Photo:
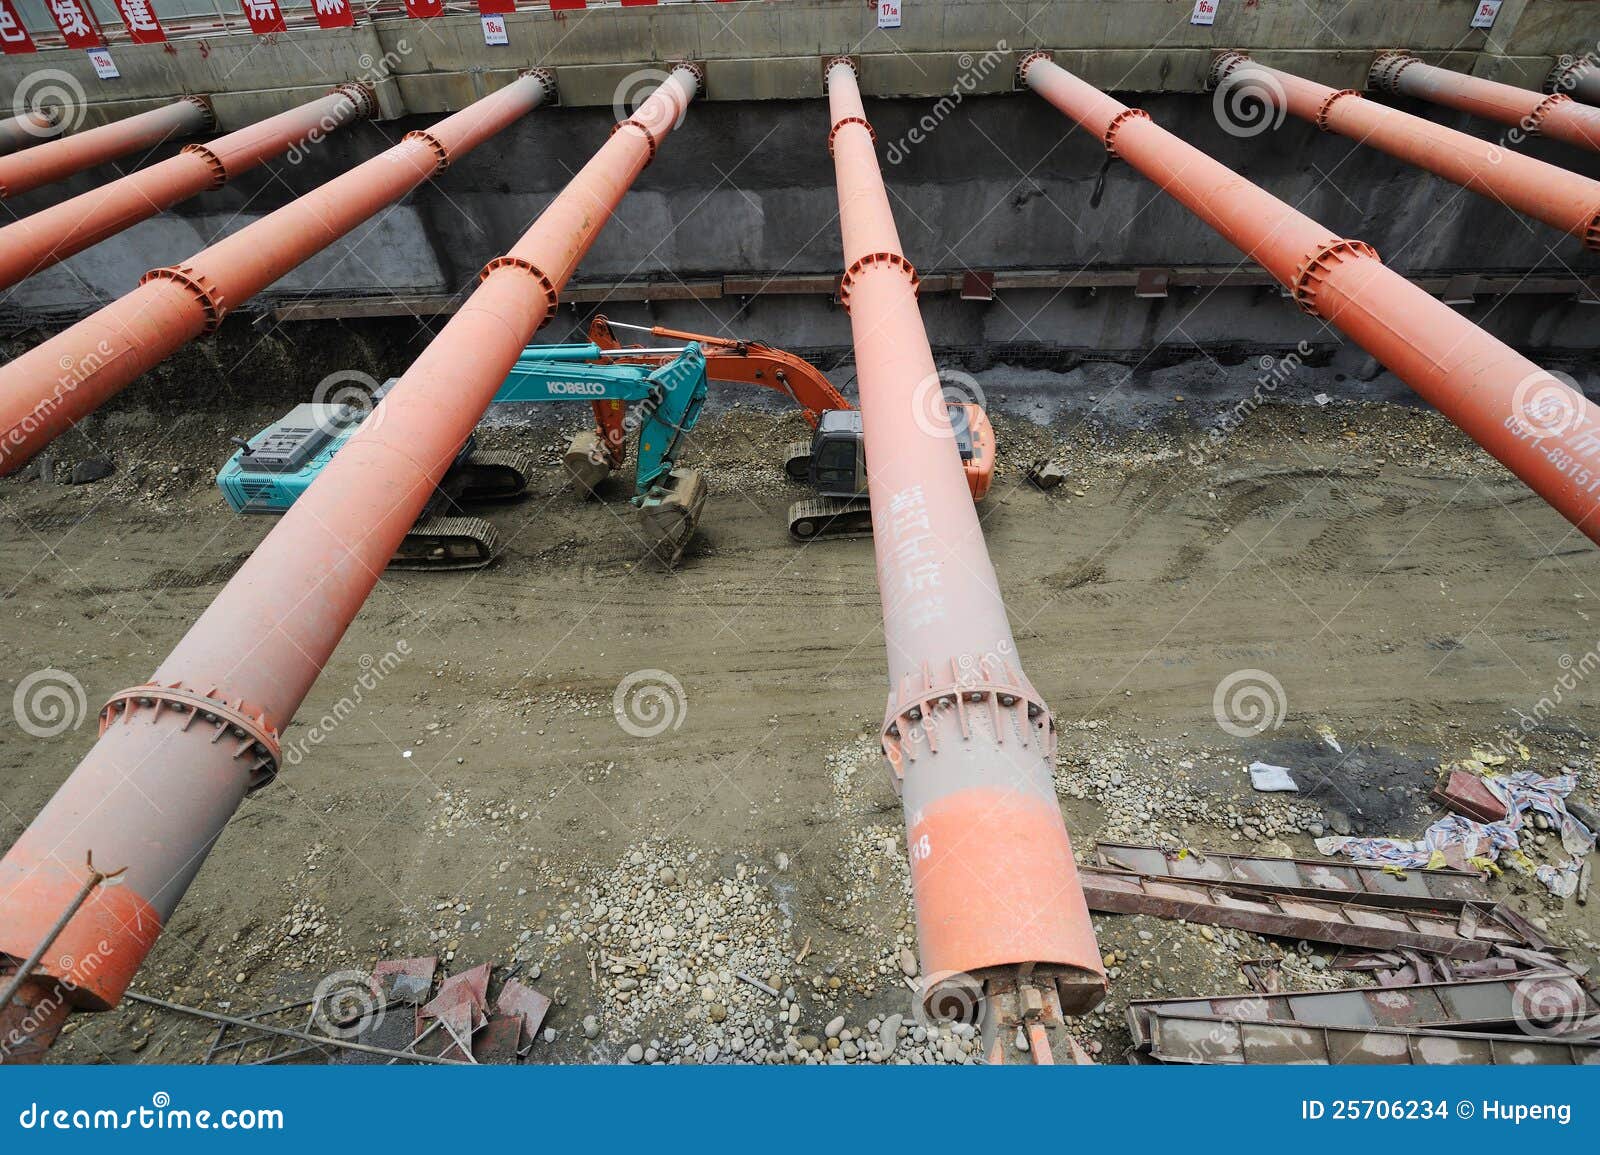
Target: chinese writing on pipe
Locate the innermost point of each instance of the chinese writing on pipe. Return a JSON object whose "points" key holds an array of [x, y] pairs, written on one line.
{"points": [[140, 20], [1205, 12], [77, 26], [14, 38], [888, 13], [1486, 12], [333, 13], [264, 16], [910, 567]]}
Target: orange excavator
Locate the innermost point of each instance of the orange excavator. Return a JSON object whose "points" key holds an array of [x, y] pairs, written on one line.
{"points": [[833, 462]]}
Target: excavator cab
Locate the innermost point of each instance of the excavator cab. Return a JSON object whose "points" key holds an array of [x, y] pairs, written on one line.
{"points": [[834, 463]]}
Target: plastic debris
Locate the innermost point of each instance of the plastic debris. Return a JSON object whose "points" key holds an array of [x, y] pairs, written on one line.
{"points": [[1268, 778]]}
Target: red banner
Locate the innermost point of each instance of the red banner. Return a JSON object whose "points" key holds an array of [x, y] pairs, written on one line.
{"points": [[567, 5], [14, 38], [636, 3], [139, 17], [496, 7], [76, 23], [333, 13], [424, 9], [264, 16]]}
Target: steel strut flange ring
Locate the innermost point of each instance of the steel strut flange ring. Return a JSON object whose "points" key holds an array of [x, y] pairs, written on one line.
{"points": [[1591, 234], [1386, 69], [440, 152], [650, 141], [1566, 73], [365, 100], [962, 698], [546, 77], [551, 297], [257, 739], [1027, 62], [219, 171], [1544, 108], [1117, 122], [205, 107], [827, 69], [898, 260], [834, 131], [193, 279], [1327, 106], [695, 70], [1314, 269], [1225, 62]]}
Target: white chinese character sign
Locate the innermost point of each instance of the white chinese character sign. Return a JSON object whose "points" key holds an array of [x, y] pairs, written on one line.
{"points": [[1486, 11], [77, 26], [494, 30], [333, 13], [1205, 12], [139, 18], [14, 38], [264, 16], [889, 13]]}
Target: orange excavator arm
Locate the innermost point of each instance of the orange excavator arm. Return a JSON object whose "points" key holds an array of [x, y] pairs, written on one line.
{"points": [[741, 363]]}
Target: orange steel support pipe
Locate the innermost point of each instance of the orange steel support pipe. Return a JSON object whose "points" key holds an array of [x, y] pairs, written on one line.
{"points": [[1538, 427], [176, 756], [28, 129], [24, 171], [38, 241], [56, 383], [1580, 78], [969, 741], [1557, 116], [1546, 192]]}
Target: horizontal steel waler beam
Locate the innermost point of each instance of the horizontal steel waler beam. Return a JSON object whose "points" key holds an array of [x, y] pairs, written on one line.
{"points": [[1447, 285]]}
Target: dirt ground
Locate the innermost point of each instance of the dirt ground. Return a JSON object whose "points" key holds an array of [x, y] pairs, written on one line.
{"points": [[1411, 597]]}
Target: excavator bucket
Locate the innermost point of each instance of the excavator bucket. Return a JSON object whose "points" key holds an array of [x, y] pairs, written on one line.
{"points": [[587, 462], [669, 513]]}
